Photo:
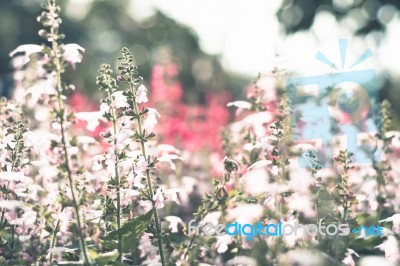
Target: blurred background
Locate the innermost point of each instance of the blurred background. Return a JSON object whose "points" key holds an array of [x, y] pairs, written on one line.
{"points": [[204, 53]]}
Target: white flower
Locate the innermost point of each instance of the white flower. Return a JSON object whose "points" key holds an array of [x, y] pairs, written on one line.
{"points": [[151, 120], [166, 148], [124, 137], [11, 204], [302, 203], [141, 166], [39, 89], [159, 199], [97, 162], [104, 108], [348, 260], [141, 94], [223, 242], [240, 104], [212, 218], [28, 49], [120, 100], [72, 54], [171, 194], [91, 118], [174, 221], [40, 141], [168, 159], [246, 213], [27, 219], [260, 164], [127, 195], [395, 219], [12, 176], [146, 204], [390, 247]]}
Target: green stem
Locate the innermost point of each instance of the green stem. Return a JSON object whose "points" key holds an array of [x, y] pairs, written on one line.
{"points": [[118, 185], [149, 183], [13, 158], [60, 112], [54, 239]]}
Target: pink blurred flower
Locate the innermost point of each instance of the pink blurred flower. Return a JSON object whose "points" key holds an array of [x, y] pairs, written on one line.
{"points": [[159, 199], [172, 194]]}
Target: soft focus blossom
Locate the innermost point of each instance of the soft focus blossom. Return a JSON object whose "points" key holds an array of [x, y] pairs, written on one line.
{"points": [[172, 194], [223, 242], [141, 94], [72, 53], [348, 260], [159, 199], [120, 100], [151, 121], [240, 104], [168, 159], [28, 50], [91, 119], [391, 248], [174, 221], [395, 219]]}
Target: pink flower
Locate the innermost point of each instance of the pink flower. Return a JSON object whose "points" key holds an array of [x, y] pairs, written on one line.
{"points": [[141, 166], [172, 194], [146, 205], [127, 195], [151, 120], [159, 199], [141, 94], [72, 54], [28, 50]]}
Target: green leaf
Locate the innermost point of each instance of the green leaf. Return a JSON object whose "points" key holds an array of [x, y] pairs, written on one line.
{"points": [[130, 242], [104, 258], [134, 228]]}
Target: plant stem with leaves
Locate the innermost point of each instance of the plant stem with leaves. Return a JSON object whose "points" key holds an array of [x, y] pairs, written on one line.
{"points": [[128, 72], [50, 18], [108, 84]]}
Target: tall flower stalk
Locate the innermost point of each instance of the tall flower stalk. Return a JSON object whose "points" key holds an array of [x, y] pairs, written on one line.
{"points": [[51, 20], [108, 84], [130, 78]]}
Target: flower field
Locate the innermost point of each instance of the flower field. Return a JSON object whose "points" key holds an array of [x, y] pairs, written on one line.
{"points": [[144, 178]]}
